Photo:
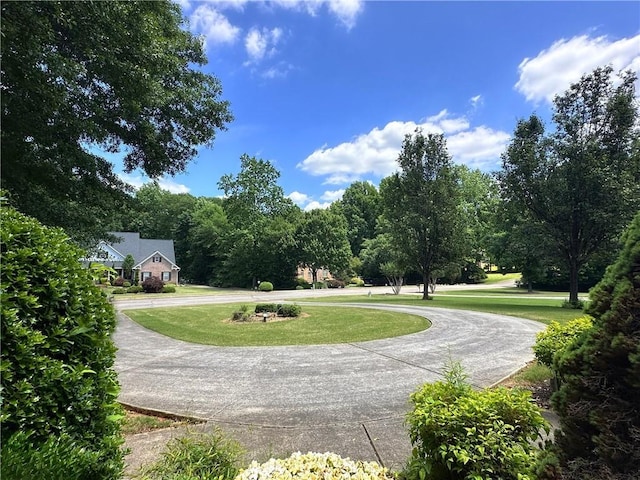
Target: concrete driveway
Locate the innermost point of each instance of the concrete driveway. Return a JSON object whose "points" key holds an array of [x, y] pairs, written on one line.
{"points": [[347, 398]]}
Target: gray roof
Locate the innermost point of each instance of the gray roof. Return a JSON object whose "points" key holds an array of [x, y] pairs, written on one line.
{"points": [[142, 248]]}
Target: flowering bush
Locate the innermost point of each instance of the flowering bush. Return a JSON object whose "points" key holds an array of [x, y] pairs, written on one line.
{"points": [[327, 466]]}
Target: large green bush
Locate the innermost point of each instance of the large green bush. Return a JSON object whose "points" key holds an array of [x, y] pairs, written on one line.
{"points": [[459, 433], [556, 337], [265, 287], [598, 400], [152, 285], [57, 353]]}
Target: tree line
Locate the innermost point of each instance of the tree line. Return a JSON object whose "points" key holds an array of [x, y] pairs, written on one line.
{"points": [[79, 79]]}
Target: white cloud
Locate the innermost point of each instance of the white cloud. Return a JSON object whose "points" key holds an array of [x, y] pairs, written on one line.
{"points": [[314, 205], [213, 25], [476, 101], [346, 11], [553, 70], [137, 181], [332, 195], [261, 43], [376, 152], [299, 198]]}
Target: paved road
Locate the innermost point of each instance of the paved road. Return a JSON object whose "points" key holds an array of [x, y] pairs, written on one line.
{"points": [[347, 398]]}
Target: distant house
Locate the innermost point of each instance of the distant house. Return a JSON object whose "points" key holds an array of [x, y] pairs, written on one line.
{"points": [[151, 257]]}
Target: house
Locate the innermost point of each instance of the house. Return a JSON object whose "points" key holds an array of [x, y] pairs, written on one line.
{"points": [[151, 257]]}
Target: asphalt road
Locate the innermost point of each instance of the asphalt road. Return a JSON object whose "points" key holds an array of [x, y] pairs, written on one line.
{"points": [[348, 398]]}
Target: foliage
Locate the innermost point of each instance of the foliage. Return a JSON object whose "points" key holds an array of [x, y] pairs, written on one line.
{"points": [[57, 352], [301, 282], [556, 337], [322, 241], [358, 282], [152, 285], [289, 310], [421, 202], [169, 289], [58, 458], [360, 205], [334, 283], [118, 282], [266, 307], [327, 466], [135, 289], [94, 76], [128, 263], [600, 377], [265, 287], [459, 433], [119, 291], [196, 457], [581, 184]]}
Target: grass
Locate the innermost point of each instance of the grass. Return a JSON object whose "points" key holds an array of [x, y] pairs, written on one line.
{"points": [[499, 277], [139, 423], [181, 291], [540, 309], [532, 374], [207, 324]]}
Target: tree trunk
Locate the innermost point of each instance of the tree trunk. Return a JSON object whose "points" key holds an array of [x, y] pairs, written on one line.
{"points": [[574, 267], [314, 276], [425, 281]]}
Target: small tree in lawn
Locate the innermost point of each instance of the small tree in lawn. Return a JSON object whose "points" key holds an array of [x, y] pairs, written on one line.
{"points": [[598, 400], [127, 266]]}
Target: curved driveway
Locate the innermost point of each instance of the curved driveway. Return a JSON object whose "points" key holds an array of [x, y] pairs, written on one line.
{"points": [[321, 384]]}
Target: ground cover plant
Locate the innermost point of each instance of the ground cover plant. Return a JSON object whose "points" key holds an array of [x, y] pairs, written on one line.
{"points": [[209, 324]]}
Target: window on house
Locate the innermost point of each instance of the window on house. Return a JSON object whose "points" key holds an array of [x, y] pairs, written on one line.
{"points": [[145, 275], [156, 259], [166, 276]]}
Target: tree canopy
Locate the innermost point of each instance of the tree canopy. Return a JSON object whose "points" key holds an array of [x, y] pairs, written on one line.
{"points": [[582, 182], [79, 78]]}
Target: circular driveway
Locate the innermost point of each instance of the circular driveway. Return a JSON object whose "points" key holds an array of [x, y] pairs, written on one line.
{"points": [[319, 385]]}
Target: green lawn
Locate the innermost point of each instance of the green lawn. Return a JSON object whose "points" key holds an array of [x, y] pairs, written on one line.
{"points": [[506, 291], [539, 309], [318, 325], [499, 277], [181, 291]]}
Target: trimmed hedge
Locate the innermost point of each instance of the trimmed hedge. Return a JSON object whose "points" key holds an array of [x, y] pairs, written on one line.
{"points": [[152, 285], [57, 353], [265, 287], [281, 309], [169, 289], [555, 338]]}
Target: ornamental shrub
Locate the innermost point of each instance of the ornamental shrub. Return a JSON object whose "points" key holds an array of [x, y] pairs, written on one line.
{"points": [[57, 353], [600, 377], [168, 289], [152, 285], [356, 281], [118, 282], [333, 283], [556, 337], [119, 291], [327, 466], [265, 287], [266, 307], [301, 282], [126, 284], [459, 433], [134, 289], [289, 310]]}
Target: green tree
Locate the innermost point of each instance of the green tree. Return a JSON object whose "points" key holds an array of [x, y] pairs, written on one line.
{"points": [[421, 205], [127, 266], [600, 377], [322, 241], [581, 183], [383, 255], [361, 207], [83, 77]]}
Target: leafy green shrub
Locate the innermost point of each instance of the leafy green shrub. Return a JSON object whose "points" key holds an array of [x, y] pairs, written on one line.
{"points": [[299, 287], [575, 305], [358, 282], [241, 315], [289, 310], [196, 457], [57, 353], [556, 337], [118, 282], [119, 291], [168, 289], [152, 285], [459, 433], [58, 458], [266, 307], [301, 282], [265, 287], [334, 283], [315, 465], [126, 284], [600, 377], [134, 289], [319, 285]]}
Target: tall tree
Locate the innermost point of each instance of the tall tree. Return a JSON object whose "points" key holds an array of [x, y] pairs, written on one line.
{"points": [[582, 183], [322, 241], [79, 78], [361, 207], [421, 204]]}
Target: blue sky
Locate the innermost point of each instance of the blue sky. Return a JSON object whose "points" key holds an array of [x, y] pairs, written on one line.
{"points": [[326, 90]]}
